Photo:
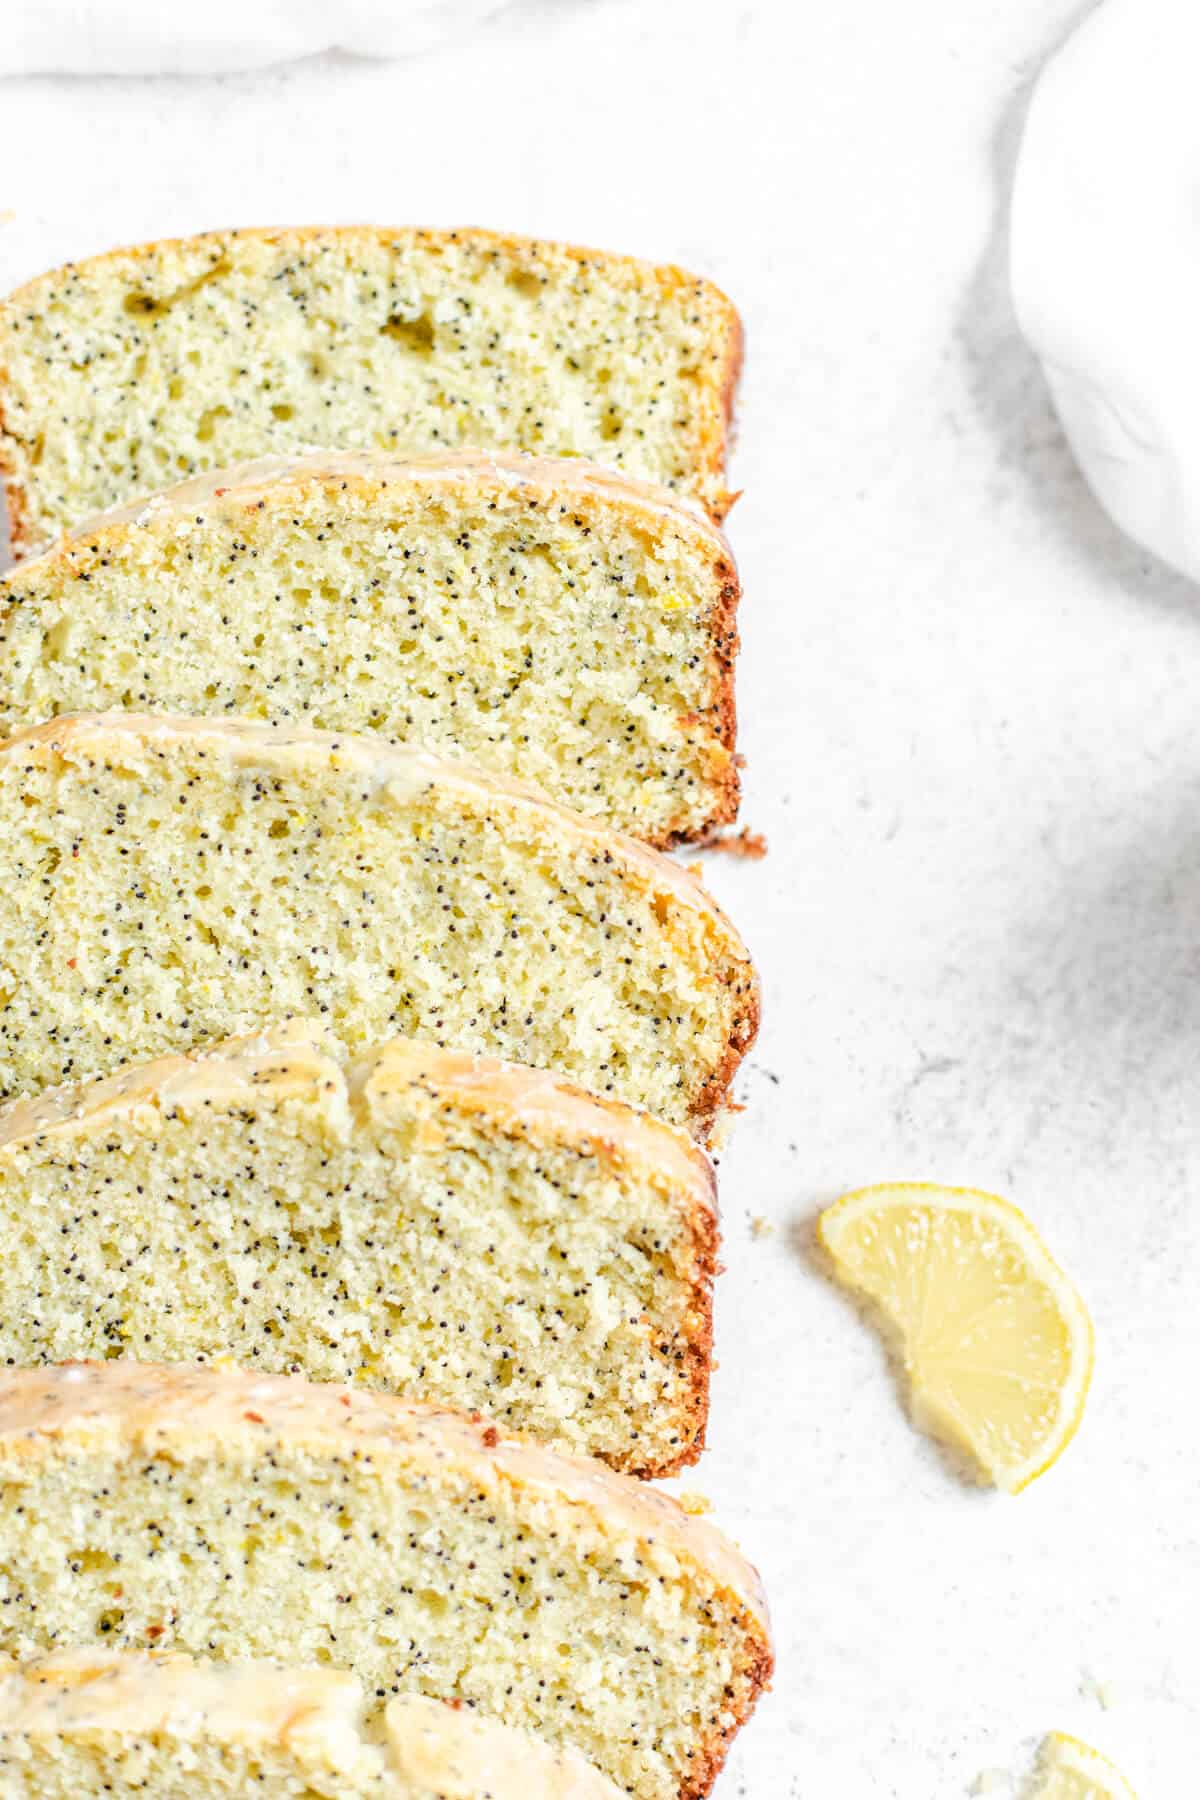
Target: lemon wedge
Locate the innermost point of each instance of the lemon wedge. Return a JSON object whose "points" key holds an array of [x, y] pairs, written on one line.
{"points": [[994, 1339], [1069, 1770]]}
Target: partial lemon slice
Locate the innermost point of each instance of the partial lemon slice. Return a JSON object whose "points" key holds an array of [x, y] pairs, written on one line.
{"points": [[1069, 1770], [996, 1343]]}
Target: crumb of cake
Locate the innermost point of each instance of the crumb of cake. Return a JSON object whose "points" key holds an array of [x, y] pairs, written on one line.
{"points": [[750, 846]]}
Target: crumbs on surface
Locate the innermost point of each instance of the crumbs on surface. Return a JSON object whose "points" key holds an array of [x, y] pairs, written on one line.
{"points": [[750, 846]]}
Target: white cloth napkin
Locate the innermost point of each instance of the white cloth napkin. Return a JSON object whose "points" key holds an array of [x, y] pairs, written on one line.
{"points": [[204, 37], [1106, 261]]}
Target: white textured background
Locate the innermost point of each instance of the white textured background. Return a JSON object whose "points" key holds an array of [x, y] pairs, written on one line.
{"points": [[973, 722]]}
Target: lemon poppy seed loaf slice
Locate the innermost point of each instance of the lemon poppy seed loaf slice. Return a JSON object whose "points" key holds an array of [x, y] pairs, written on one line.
{"points": [[123, 373], [164, 881], [229, 1516], [409, 1218], [85, 1722], [545, 618]]}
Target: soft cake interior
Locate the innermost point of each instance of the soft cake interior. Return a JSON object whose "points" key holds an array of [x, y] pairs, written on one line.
{"points": [[350, 1231], [587, 652], [153, 897], [128, 371], [425, 1578]]}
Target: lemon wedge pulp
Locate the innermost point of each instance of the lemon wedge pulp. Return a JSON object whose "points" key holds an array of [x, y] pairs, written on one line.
{"points": [[994, 1339], [1069, 1770]]}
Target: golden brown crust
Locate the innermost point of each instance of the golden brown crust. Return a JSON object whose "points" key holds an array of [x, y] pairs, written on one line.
{"points": [[723, 629], [710, 447], [713, 1099], [719, 440], [710, 1759], [698, 1351], [718, 445]]}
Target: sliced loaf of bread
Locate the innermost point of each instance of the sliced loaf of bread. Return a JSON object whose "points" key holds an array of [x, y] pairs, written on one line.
{"points": [[238, 1517], [165, 881], [121, 374], [545, 618], [81, 1723], [410, 1218]]}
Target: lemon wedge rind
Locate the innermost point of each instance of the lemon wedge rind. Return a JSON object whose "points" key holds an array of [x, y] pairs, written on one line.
{"points": [[986, 1323], [1068, 1769]]}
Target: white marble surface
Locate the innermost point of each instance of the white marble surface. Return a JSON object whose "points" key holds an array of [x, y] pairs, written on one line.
{"points": [[972, 716]]}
